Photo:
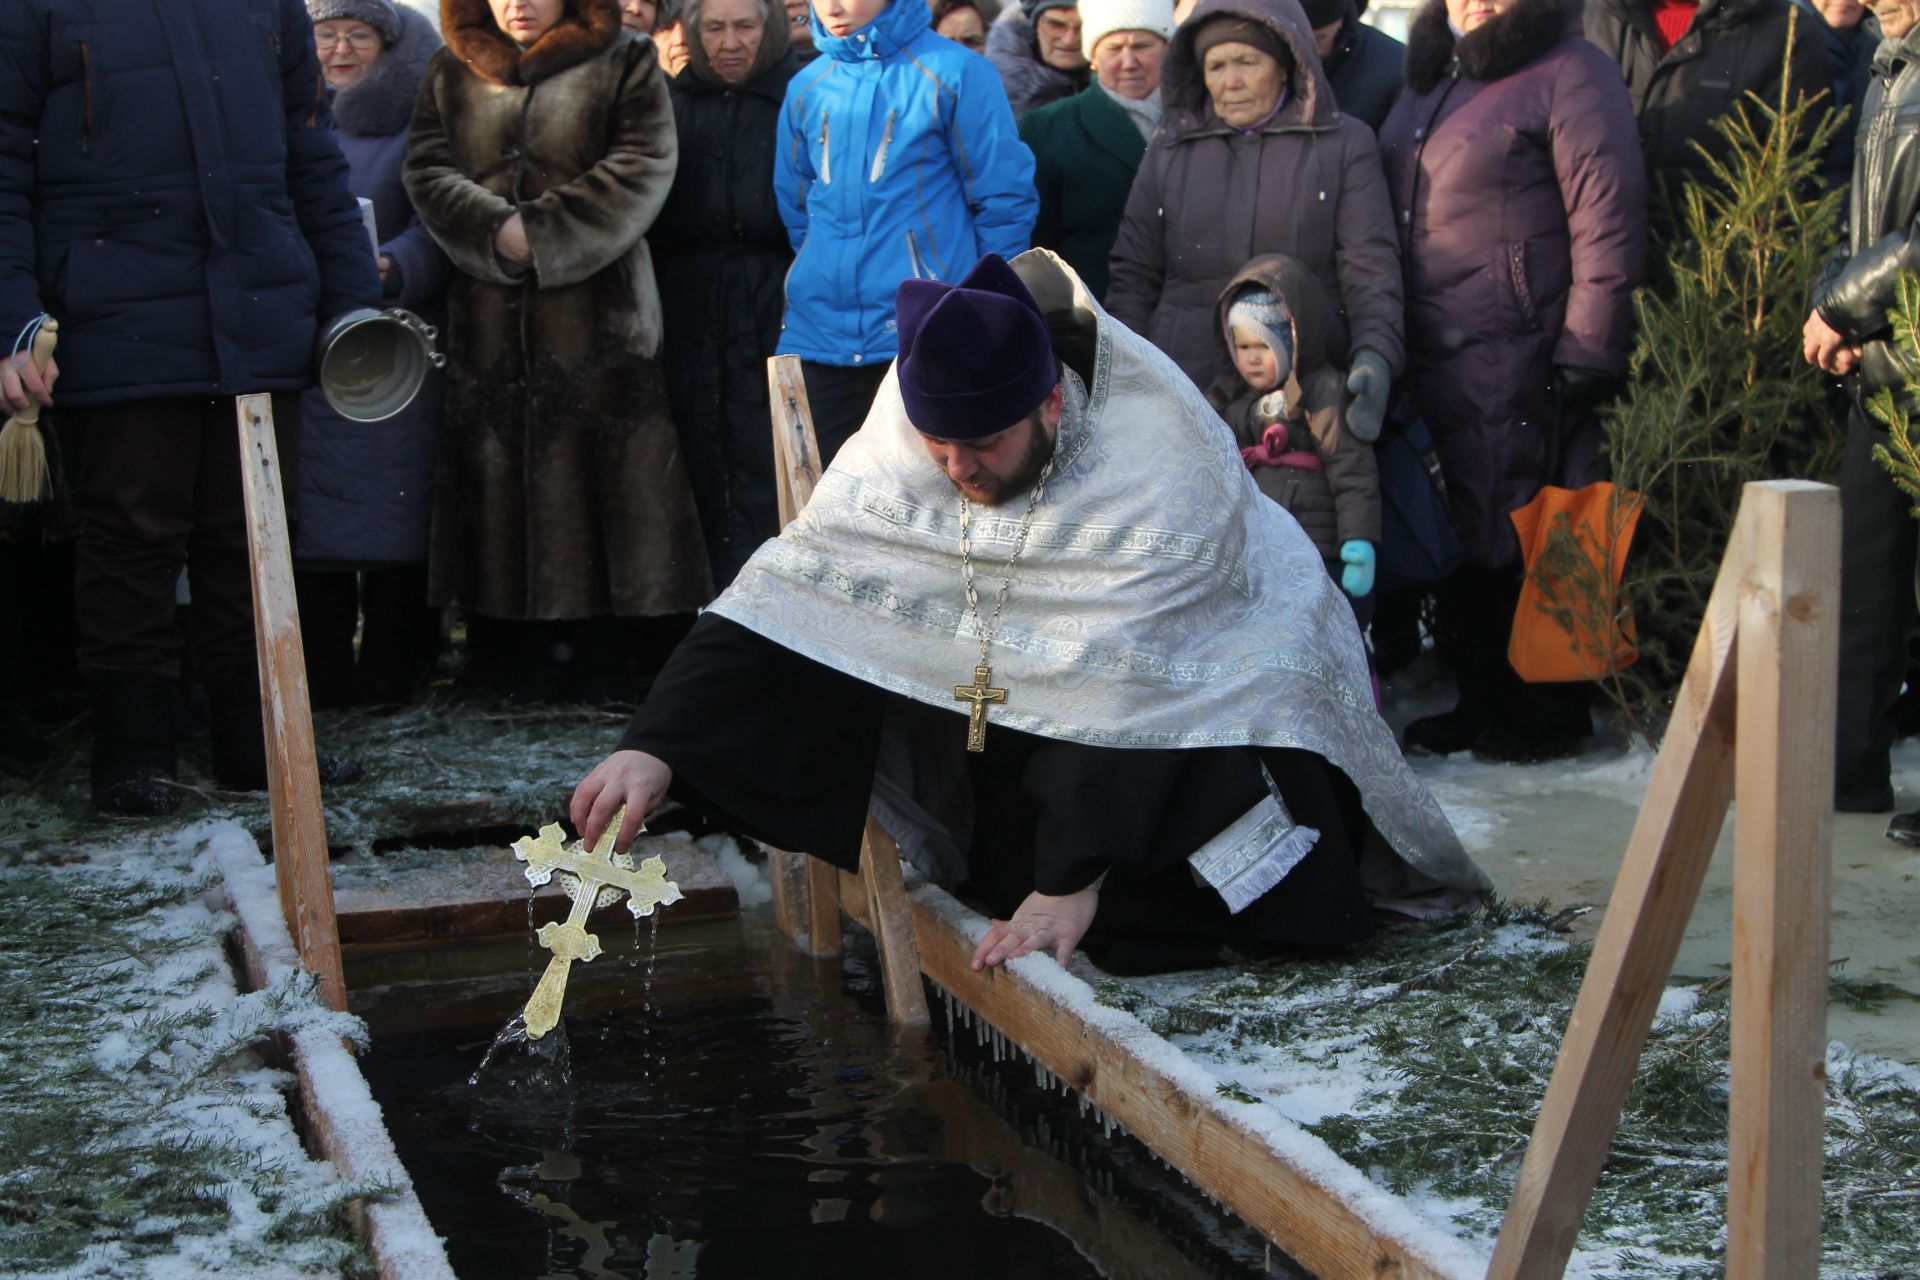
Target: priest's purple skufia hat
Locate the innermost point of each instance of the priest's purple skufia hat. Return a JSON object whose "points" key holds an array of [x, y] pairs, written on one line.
{"points": [[975, 357]]}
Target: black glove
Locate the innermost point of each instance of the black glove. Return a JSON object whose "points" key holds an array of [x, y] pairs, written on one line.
{"points": [[1575, 388]]}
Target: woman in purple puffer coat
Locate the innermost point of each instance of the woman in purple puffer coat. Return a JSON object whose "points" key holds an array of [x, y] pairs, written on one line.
{"points": [[1513, 161]]}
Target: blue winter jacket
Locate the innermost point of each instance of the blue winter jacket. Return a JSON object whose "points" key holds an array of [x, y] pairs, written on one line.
{"points": [[171, 192], [897, 157]]}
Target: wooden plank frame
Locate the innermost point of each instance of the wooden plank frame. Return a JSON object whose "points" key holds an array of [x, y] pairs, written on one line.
{"points": [[301, 868], [806, 892], [1767, 659]]}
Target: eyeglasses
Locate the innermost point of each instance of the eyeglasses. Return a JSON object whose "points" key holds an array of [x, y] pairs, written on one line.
{"points": [[361, 41]]}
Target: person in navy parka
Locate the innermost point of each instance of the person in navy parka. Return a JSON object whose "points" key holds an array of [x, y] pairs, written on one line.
{"points": [[897, 158], [171, 193], [365, 502]]}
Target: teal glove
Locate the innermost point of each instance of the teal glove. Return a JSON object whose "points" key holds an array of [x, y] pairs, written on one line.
{"points": [[1357, 578]]}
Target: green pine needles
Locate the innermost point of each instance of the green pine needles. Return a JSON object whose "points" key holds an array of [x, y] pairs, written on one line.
{"points": [[1900, 455], [1718, 393], [1438, 1042], [138, 1134]]}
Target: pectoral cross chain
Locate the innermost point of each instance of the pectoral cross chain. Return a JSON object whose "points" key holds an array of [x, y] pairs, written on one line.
{"points": [[979, 693]]}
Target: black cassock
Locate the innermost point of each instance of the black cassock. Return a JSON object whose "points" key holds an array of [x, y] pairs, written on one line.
{"points": [[775, 746]]}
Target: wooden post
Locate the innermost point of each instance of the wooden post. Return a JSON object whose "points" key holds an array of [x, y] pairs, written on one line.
{"points": [[1783, 846], [301, 869], [892, 915], [1659, 882], [806, 891]]}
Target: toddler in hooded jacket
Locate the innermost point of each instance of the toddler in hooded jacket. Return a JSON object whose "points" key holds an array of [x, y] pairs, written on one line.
{"points": [[1287, 406]]}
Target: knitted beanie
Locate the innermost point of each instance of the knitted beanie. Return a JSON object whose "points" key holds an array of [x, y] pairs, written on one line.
{"points": [[1260, 311], [1230, 28], [1101, 18], [378, 14]]}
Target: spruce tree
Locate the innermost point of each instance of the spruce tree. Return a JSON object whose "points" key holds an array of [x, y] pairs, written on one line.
{"points": [[1900, 455], [1717, 392]]}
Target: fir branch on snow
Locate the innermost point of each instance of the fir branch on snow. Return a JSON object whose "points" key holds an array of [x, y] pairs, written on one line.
{"points": [[135, 1124], [1449, 1034]]}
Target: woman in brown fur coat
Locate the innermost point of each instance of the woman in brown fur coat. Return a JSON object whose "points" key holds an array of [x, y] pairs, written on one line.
{"points": [[542, 148]]}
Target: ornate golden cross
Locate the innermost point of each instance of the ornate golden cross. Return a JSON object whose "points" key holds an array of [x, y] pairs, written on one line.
{"points": [[592, 878], [979, 693]]}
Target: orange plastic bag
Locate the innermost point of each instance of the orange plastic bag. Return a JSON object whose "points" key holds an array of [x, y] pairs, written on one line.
{"points": [[1572, 622]]}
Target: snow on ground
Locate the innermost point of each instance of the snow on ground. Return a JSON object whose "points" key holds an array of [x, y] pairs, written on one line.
{"points": [[749, 878], [140, 1134]]}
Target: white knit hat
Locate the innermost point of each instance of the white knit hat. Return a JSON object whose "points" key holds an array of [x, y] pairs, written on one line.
{"points": [[1101, 18]]}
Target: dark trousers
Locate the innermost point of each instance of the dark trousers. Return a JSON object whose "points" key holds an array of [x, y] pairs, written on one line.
{"points": [[399, 633], [838, 397], [1474, 614], [158, 491], [1878, 543]]}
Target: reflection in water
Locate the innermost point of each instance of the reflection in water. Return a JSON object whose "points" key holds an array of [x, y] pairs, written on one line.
{"points": [[748, 1113]]}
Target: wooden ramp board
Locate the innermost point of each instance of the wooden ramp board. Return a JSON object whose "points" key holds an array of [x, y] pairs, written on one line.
{"points": [[482, 893], [344, 1123], [1313, 1207]]}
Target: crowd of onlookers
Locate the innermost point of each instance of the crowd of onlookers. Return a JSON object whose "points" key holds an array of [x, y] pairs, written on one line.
{"points": [[616, 210]]}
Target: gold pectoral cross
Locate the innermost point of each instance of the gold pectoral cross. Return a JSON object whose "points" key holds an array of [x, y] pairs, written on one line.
{"points": [[979, 693]]}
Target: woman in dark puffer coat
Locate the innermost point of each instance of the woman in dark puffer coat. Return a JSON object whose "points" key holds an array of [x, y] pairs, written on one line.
{"points": [[1515, 168], [721, 255], [365, 499], [1216, 190]]}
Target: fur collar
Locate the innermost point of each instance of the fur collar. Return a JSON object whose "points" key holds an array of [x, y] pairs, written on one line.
{"points": [[587, 28], [380, 103], [1496, 49]]}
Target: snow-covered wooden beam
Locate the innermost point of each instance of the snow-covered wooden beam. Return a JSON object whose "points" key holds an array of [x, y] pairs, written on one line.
{"points": [[345, 1122], [1282, 1181]]}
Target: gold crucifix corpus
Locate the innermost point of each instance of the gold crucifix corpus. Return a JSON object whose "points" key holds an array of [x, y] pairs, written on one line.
{"points": [[592, 878], [979, 693]]}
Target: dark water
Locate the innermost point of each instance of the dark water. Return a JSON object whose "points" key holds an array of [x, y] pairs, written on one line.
{"points": [[747, 1112]]}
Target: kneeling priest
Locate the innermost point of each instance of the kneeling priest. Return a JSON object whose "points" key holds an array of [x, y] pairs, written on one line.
{"points": [[1040, 621]]}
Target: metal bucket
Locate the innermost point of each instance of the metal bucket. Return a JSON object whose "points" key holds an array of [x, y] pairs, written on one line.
{"points": [[373, 363]]}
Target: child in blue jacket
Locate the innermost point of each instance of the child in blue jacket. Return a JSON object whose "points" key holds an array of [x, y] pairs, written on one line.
{"points": [[897, 158]]}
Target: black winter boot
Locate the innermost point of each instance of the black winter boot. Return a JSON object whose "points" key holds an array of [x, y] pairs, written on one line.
{"points": [[134, 751], [238, 728], [235, 726]]}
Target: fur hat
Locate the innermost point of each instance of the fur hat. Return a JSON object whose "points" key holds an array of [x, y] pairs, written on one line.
{"points": [[975, 357], [1101, 18], [378, 14]]}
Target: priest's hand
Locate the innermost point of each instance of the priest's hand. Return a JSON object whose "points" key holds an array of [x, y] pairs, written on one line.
{"points": [[631, 778], [1042, 921]]}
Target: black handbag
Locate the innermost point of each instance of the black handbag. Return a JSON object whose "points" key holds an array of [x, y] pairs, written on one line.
{"points": [[1419, 544]]}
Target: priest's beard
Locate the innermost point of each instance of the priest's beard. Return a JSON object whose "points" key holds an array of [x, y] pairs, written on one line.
{"points": [[995, 489]]}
